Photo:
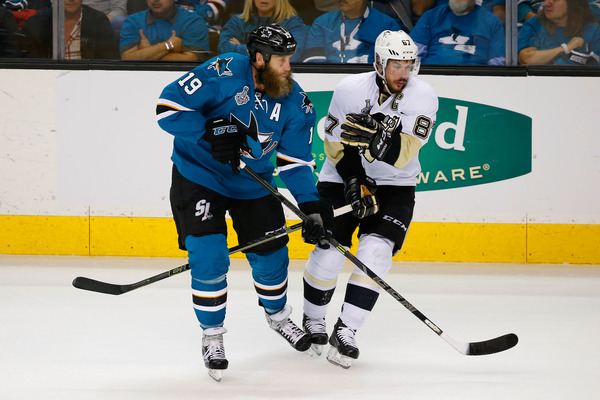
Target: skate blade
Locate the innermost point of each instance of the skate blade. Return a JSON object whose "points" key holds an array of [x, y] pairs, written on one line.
{"points": [[334, 357], [216, 374], [315, 350]]}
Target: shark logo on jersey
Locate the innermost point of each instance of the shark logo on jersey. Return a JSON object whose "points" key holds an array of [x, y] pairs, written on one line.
{"points": [[221, 66], [306, 103], [258, 143], [367, 108], [242, 97]]}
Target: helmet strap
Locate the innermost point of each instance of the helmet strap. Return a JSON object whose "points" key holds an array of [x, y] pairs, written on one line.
{"points": [[382, 75]]}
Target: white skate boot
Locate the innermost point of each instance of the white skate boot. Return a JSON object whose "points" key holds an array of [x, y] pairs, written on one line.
{"points": [[213, 352]]}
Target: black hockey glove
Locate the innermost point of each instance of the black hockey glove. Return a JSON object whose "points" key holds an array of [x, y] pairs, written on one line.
{"points": [[226, 141], [360, 194], [320, 220], [584, 57], [364, 131]]}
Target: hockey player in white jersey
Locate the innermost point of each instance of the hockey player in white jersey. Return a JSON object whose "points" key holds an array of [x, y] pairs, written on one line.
{"points": [[376, 125]]}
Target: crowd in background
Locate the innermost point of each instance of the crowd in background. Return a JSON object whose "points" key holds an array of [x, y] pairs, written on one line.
{"points": [[448, 32]]}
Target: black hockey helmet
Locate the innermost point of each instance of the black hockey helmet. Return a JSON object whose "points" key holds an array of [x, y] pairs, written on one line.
{"points": [[270, 39]]}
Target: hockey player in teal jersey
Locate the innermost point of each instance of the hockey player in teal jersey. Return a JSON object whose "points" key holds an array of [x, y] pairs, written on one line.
{"points": [[229, 107]]}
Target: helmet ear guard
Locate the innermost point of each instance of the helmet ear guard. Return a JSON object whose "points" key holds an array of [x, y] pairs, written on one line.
{"points": [[270, 39]]}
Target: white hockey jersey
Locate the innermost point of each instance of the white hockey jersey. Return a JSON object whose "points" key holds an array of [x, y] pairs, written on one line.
{"points": [[416, 106]]}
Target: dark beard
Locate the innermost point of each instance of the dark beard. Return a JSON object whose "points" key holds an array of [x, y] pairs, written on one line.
{"points": [[273, 86]]}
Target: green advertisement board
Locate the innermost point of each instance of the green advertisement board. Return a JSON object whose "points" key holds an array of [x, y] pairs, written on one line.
{"points": [[471, 144]]}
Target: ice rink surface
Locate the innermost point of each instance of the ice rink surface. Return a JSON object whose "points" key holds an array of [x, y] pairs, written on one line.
{"points": [[58, 342]]}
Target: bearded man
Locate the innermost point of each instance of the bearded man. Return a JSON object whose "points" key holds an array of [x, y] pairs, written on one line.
{"points": [[229, 107]]}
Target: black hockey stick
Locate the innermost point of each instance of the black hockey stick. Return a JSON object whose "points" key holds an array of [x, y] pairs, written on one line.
{"points": [[490, 346], [110, 288]]}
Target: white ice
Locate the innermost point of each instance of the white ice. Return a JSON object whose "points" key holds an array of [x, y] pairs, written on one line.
{"points": [[58, 342]]}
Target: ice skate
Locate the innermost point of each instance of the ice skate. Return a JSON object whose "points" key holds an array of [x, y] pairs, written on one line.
{"points": [[213, 352], [343, 345], [315, 328], [288, 329]]}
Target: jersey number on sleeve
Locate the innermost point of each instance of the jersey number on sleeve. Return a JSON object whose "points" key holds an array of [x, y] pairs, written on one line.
{"points": [[422, 127], [193, 85], [333, 122]]}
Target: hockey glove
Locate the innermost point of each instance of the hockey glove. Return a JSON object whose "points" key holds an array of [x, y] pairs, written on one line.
{"points": [[584, 57], [226, 141], [359, 192], [320, 220], [364, 131]]}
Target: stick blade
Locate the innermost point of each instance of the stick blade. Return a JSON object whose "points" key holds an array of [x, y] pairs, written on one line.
{"points": [[96, 286], [492, 346]]}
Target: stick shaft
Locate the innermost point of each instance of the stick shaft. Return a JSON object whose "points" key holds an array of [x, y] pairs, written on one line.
{"points": [[116, 289], [480, 348]]}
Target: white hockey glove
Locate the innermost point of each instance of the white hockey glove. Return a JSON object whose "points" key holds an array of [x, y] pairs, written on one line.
{"points": [[364, 131], [359, 192]]}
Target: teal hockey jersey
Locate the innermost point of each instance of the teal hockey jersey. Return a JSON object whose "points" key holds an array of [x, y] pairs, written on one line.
{"points": [[223, 87]]}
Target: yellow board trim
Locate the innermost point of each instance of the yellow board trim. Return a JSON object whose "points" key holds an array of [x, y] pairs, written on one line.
{"points": [[426, 241]]}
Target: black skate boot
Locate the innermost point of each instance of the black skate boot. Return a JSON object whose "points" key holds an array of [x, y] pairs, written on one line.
{"points": [[343, 345], [315, 327], [288, 329], [213, 352]]}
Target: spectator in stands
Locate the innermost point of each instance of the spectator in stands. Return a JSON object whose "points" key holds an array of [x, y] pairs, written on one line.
{"points": [[400, 10], [236, 31], [524, 11], [595, 8], [164, 32], [212, 11], [460, 32], [88, 34], [307, 10], [24, 9], [8, 34], [420, 6], [347, 35], [564, 33], [115, 10], [538, 5], [496, 7]]}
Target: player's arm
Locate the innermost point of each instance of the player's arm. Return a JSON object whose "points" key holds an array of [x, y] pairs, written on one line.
{"points": [[359, 189], [178, 110], [295, 164], [393, 139], [295, 161]]}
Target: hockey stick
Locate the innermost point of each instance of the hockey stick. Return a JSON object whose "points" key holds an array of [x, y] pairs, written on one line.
{"points": [[489, 346], [110, 288]]}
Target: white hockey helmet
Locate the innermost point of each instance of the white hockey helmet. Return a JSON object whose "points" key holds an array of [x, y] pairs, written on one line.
{"points": [[395, 45]]}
